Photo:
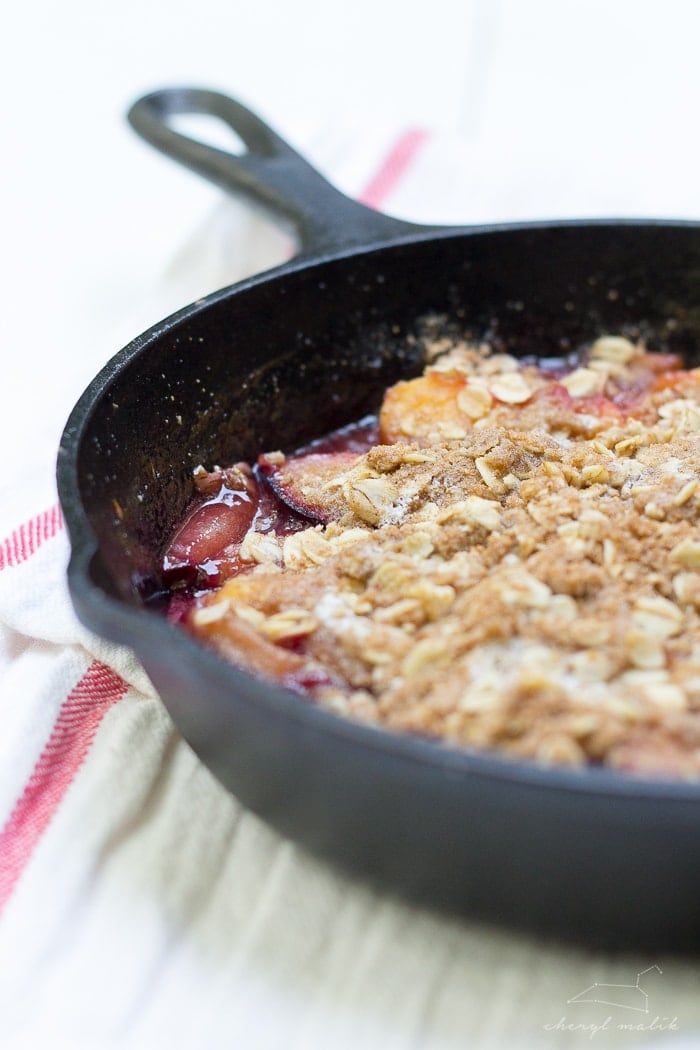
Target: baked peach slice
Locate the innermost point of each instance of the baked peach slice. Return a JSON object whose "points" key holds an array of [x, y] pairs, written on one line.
{"points": [[439, 406]]}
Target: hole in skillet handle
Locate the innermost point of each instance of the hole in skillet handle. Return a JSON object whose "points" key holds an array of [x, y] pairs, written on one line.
{"points": [[270, 174], [209, 130]]}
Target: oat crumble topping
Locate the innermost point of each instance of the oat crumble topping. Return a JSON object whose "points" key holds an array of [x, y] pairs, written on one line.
{"points": [[515, 567]]}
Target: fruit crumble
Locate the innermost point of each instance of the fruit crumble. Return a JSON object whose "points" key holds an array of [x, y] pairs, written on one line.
{"points": [[508, 558]]}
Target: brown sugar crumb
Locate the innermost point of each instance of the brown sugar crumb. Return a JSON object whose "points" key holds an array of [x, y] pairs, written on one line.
{"points": [[516, 566]]}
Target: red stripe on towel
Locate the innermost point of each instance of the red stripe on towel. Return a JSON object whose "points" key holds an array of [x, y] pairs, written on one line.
{"points": [[27, 539], [393, 168], [70, 740]]}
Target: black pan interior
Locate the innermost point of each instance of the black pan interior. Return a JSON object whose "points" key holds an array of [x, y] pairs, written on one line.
{"points": [[292, 357]]}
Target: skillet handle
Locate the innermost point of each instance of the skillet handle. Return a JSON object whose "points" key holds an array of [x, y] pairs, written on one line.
{"points": [[270, 173]]}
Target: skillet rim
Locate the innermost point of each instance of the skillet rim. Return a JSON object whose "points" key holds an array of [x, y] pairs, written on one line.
{"points": [[115, 619]]}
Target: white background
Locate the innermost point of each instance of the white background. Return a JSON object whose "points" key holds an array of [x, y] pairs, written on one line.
{"points": [[569, 107]]}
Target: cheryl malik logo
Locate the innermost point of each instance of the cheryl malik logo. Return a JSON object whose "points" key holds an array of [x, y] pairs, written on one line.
{"points": [[631, 999]]}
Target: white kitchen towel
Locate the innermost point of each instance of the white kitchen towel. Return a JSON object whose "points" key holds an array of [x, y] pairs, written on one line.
{"points": [[141, 906]]}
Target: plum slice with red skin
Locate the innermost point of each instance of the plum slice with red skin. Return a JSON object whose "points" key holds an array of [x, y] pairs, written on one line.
{"points": [[205, 549], [205, 534], [300, 482]]}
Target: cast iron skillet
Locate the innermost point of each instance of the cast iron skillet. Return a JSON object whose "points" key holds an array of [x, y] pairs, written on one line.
{"points": [[281, 358]]}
